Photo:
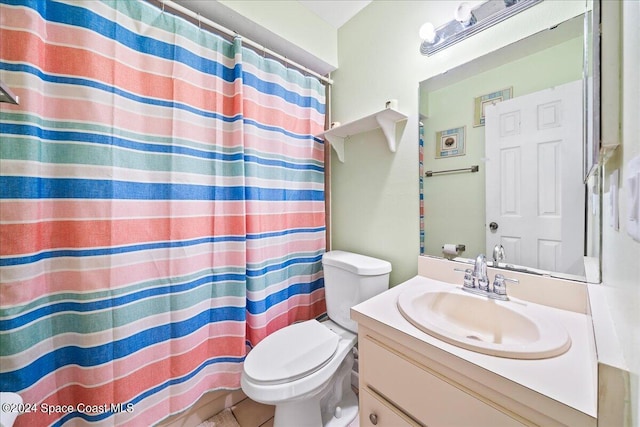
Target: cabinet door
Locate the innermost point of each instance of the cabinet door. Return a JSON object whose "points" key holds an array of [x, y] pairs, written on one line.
{"points": [[424, 394], [375, 411]]}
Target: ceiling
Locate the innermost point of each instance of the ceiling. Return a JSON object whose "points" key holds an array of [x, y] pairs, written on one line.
{"points": [[335, 12]]}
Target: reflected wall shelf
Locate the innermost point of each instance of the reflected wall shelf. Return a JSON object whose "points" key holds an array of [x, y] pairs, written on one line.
{"points": [[386, 120]]}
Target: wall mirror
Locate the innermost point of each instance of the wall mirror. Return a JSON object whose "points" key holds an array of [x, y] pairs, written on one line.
{"points": [[503, 142]]}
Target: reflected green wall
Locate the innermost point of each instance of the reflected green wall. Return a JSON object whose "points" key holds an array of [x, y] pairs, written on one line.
{"points": [[454, 203]]}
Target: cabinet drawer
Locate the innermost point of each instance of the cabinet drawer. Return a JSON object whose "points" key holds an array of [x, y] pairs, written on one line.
{"points": [[424, 394], [375, 409]]}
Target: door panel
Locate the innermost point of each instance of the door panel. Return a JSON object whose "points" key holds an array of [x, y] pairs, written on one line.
{"points": [[534, 186]]}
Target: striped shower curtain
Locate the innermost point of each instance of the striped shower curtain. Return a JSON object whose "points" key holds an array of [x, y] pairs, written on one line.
{"points": [[161, 209]]}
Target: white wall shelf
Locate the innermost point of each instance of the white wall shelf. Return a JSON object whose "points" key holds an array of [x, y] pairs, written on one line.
{"points": [[386, 120]]}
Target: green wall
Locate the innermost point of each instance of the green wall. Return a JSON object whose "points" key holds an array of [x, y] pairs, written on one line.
{"points": [[294, 23], [375, 192]]}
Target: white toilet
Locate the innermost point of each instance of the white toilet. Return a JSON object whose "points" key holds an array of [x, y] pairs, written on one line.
{"points": [[9, 402], [304, 369]]}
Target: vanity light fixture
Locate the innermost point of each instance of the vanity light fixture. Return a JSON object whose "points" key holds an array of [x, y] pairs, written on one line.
{"points": [[469, 21]]}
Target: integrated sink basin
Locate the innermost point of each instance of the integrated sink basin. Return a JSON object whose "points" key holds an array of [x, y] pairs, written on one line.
{"points": [[499, 328]]}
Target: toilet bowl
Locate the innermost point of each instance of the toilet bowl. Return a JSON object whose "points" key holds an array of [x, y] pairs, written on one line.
{"points": [[299, 368], [305, 369], [10, 402]]}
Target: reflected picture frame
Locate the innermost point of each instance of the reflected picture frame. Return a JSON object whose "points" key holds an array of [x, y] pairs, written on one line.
{"points": [[451, 142], [481, 102]]}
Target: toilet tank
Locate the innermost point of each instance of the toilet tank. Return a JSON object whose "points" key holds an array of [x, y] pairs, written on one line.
{"points": [[350, 279]]}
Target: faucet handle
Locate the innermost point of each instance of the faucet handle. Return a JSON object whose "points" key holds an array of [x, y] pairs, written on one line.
{"points": [[467, 282], [499, 285], [483, 283]]}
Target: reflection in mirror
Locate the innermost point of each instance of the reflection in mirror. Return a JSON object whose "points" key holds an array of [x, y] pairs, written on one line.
{"points": [[518, 114], [591, 96]]}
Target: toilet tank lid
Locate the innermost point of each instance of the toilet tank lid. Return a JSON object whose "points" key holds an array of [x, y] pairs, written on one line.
{"points": [[356, 263]]}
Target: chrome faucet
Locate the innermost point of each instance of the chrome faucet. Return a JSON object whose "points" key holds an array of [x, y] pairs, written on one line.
{"points": [[480, 273], [498, 254], [476, 281]]}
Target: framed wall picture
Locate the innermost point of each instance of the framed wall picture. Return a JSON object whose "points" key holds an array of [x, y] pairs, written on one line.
{"points": [[481, 103], [450, 142]]}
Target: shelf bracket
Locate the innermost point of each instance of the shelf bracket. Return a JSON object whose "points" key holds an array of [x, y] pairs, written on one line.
{"points": [[337, 142], [386, 120], [389, 129]]}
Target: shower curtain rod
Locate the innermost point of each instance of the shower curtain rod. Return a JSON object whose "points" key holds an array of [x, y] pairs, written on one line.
{"points": [[201, 19]]}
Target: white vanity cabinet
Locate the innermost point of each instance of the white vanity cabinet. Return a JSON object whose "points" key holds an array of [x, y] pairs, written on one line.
{"points": [[397, 390], [409, 378], [375, 410]]}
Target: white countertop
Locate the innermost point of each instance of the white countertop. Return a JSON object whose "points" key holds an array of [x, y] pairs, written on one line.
{"points": [[570, 378]]}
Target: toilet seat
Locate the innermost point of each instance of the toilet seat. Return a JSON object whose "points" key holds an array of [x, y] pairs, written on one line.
{"points": [[304, 388], [291, 353]]}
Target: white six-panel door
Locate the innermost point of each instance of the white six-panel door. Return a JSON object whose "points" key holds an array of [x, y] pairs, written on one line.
{"points": [[534, 187]]}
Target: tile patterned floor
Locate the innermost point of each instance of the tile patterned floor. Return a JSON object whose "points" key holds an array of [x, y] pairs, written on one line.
{"points": [[252, 414], [248, 413], [222, 419]]}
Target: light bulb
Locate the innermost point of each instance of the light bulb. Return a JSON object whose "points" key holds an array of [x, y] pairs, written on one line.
{"points": [[463, 13], [428, 32]]}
